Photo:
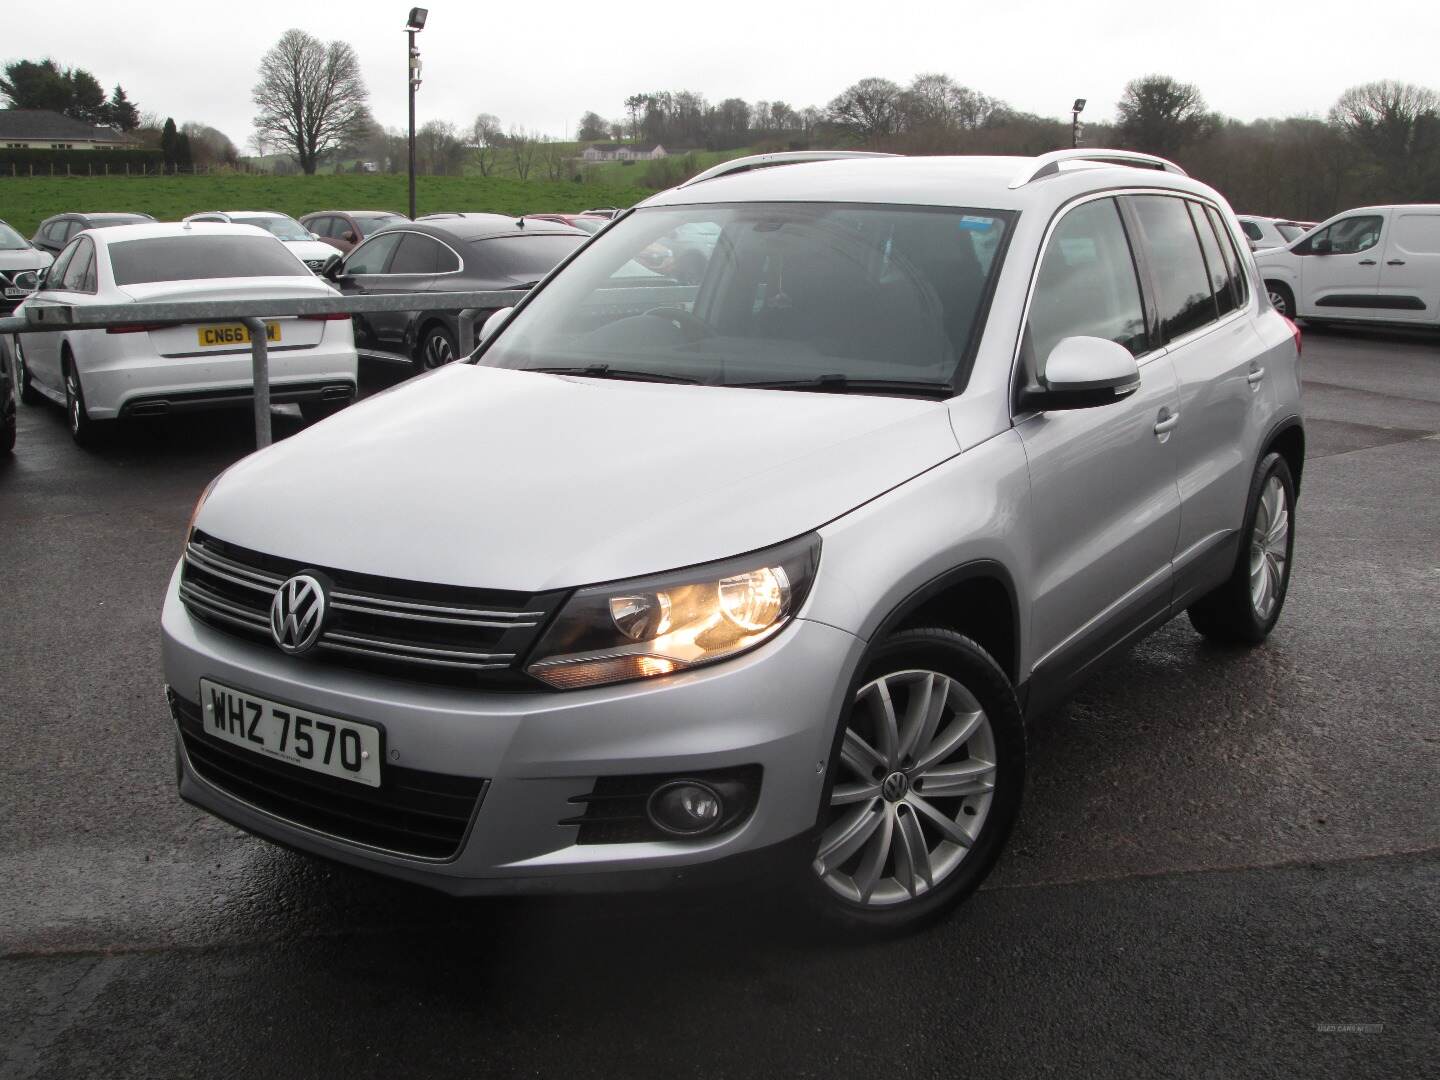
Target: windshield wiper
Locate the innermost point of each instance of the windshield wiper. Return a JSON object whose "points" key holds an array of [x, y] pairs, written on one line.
{"points": [[605, 371], [843, 384]]}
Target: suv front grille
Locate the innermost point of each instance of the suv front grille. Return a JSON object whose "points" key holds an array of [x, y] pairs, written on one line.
{"points": [[423, 814], [409, 629]]}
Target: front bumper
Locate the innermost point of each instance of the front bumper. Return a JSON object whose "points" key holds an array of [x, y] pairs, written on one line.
{"points": [[775, 707]]}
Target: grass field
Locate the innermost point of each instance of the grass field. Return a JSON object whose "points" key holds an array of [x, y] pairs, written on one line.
{"points": [[24, 202]]}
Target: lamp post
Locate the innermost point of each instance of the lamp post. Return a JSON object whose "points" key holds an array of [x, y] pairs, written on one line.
{"points": [[1075, 129], [413, 26]]}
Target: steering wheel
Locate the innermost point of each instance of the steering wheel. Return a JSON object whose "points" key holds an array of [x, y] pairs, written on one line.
{"points": [[687, 322]]}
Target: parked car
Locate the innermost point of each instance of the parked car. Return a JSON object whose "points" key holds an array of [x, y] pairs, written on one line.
{"points": [[589, 223], [302, 243], [343, 229], [606, 212], [17, 255], [759, 576], [55, 232], [148, 369], [7, 403], [1265, 232], [443, 253], [1373, 264]]}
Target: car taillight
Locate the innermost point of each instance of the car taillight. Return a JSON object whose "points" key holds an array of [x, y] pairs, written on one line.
{"points": [[1295, 333], [331, 316], [134, 328]]}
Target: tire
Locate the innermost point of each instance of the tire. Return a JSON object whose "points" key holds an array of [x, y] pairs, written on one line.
{"points": [[1281, 298], [7, 424], [885, 787], [437, 348], [1247, 606], [24, 388], [315, 411], [85, 431]]}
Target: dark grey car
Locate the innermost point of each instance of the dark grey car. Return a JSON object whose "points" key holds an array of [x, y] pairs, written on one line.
{"points": [[55, 232]]}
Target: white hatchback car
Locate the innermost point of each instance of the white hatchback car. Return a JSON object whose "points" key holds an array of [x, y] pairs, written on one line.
{"points": [[1268, 232], [148, 370], [303, 244], [1371, 264], [767, 570]]}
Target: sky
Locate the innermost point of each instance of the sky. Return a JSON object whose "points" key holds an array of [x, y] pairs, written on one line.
{"points": [[540, 66]]}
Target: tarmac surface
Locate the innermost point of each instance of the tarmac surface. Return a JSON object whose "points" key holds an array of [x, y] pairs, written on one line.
{"points": [[1228, 864]]}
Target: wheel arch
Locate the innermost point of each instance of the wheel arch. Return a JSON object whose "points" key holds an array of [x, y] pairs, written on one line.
{"points": [[1287, 438]]}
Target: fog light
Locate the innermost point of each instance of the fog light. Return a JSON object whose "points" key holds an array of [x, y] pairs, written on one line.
{"points": [[685, 808]]}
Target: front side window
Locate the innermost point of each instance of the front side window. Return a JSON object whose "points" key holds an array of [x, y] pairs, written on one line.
{"points": [[80, 272], [875, 299], [1251, 230], [371, 256], [1182, 284], [199, 256], [56, 273], [1087, 285], [1349, 236]]}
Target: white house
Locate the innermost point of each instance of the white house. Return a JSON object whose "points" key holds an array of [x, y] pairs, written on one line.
{"points": [[40, 129], [622, 152]]}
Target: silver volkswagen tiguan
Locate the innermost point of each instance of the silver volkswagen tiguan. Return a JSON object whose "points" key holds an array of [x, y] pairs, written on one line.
{"points": [[758, 571]]}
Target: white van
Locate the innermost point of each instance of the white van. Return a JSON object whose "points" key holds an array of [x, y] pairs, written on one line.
{"points": [[1373, 264]]}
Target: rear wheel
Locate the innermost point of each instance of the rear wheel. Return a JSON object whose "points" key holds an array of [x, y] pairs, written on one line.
{"points": [[437, 348], [1281, 298], [85, 431], [23, 386], [925, 784], [1246, 608]]}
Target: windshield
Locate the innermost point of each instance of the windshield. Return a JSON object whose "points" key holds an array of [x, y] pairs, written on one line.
{"points": [[829, 296], [10, 240], [1290, 232], [368, 223], [283, 227], [201, 255]]}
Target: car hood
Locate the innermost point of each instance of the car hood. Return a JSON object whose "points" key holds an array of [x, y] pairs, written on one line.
{"points": [[502, 479], [310, 249], [25, 259]]}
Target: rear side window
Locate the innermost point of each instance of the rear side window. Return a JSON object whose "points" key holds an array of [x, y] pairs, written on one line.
{"points": [[422, 255], [199, 256], [1087, 285], [371, 256], [1417, 234], [1233, 264], [1222, 288], [1182, 284], [522, 258], [80, 273]]}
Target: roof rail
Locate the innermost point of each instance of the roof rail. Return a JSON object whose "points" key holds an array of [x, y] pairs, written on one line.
{"points": [[1049, 164], [787, 157]]}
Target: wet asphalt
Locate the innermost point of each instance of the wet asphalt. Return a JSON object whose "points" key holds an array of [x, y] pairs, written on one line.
{"points": [[1228, 863]]}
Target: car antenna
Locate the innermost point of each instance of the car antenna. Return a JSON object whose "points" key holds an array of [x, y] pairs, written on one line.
{"points": [[520, 222]]}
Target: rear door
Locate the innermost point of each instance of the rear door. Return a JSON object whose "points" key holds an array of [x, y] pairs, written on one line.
{"points": [[1340, 268], [1410, 276]]}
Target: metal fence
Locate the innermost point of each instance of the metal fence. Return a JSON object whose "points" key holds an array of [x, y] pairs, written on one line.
{"points": [[49, 317]]}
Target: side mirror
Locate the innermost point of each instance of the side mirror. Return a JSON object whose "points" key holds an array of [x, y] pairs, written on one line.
{"points": [[334, 268], [1254, 244], [494, 323], [1081, 373], [313, 235], [28, 281]]}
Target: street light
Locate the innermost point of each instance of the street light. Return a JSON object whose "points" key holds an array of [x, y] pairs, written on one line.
{"points": [[413, 26], [1075, 129]]}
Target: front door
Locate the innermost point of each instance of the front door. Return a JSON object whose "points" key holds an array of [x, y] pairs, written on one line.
{"points": [[1340, 268]]}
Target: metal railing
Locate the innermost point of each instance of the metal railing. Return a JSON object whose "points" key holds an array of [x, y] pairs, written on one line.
{"points": [[48, 317]]}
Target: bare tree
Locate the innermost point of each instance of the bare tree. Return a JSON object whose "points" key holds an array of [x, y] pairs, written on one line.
{"points": [[1161, 116], [554, 158], [1397, 126], [869, 110], [311, 97], [486, 138], [522, 146]]}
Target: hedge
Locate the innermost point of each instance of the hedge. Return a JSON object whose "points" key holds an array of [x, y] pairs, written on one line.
{"points": [[79, 162]]}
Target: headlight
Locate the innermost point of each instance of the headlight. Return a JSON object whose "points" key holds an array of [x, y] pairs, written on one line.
{"points": [[677, 621]]}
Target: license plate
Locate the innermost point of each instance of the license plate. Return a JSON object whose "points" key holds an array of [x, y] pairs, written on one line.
{"points": [[314, 741], [234, 335], [15, 292]]}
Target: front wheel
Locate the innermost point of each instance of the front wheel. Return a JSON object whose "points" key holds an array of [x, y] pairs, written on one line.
{"points": [[925, 784], [1281, 298], [437, 348], [1246, 608], [24, 387]]}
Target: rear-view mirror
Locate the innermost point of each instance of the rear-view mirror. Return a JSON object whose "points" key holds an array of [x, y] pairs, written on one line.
{"points": [[1083, 372]]}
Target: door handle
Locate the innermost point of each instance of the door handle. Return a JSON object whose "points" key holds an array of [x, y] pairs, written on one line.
{"points": [[1395, 262], [1255, 376], [1367, 262], [1166, 423]]}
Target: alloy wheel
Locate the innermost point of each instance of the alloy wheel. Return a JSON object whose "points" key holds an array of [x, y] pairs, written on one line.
{"points": [[1279, 303], [1269, 548], [916, 779], [438, 352], [73, 403]]}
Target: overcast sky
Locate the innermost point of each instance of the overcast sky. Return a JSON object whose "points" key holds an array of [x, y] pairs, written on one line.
{"points": [[541, 65]]}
